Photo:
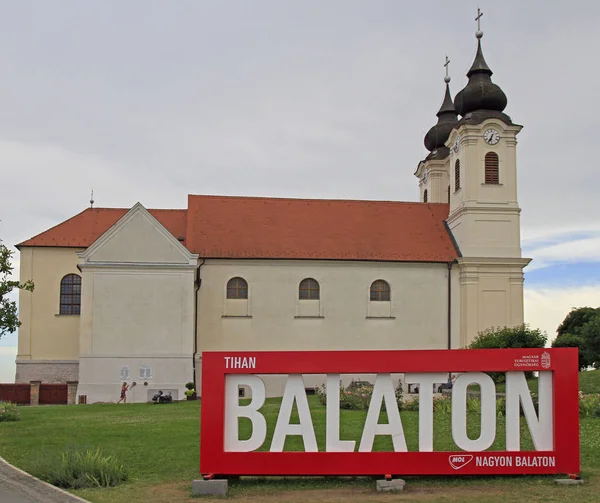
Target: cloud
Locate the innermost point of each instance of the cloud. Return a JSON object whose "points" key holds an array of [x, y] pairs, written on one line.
{"points": [[546, 308]]}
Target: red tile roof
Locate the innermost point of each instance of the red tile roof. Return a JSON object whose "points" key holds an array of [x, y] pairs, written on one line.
{"points": [[255, 227], [272, 228], [84, 228]]}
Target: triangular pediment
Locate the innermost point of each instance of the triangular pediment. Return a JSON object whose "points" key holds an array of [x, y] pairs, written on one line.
{"points": [[139, 238]]}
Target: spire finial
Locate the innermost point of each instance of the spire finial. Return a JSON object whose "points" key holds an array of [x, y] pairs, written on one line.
{"points": [[447, 77], [92, 199], [479, 33]]}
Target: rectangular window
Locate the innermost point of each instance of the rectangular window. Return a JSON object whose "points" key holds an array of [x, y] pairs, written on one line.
{"points": [[145, 372], [124, 373]]}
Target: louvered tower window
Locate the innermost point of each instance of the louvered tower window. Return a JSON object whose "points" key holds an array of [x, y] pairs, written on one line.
{"points": [[491, 168], [456, 175], [425, 196]]}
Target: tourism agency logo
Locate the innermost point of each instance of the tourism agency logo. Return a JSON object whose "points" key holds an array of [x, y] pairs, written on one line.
{"points": [[546, 362]]}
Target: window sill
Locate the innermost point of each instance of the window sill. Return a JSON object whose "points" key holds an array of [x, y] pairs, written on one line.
{"points": [[236, 316], [492, 184], [309, 317], [67, 314], [380, 317]]}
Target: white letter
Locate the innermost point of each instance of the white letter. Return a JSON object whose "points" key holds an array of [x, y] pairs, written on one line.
{"points": [[227, 361], [425, 382], [252, 362], [294, 389], [233, 411], [488, 411], [332, 437], [541, 428], [383, 390]]}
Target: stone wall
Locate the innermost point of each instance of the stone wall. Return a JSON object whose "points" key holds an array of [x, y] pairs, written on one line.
{"points": [[48, 371]]}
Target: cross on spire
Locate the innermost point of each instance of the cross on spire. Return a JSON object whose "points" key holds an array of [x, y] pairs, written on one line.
{"points": [[446, 64], [479, 33]]}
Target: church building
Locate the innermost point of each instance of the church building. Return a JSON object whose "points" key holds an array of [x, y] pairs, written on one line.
{"points": [[138, 294]]}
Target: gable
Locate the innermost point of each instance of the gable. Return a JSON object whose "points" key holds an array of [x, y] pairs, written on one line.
{"points": [[138, 237]]}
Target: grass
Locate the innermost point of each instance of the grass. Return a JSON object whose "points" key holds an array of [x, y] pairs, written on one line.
{"points": [[159, 445], [589, 382]]}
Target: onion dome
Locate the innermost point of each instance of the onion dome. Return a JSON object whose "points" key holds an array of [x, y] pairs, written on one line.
{"points": [[436, 137], [480, 93]]}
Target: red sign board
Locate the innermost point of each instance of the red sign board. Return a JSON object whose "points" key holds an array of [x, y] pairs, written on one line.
{"points": [[554, 427]]}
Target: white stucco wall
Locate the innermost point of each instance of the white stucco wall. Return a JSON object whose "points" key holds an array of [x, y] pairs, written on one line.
{"points": [[137, 312], [415, 318]]}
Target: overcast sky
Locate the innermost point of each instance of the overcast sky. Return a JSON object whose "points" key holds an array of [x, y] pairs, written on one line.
{"points": [[149, 101]]}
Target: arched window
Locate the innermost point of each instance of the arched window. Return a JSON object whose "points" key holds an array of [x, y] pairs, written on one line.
{"points": [[70, 294], [380, 290], [448, 193], [456, 175], [425, 196], [309, 289], [491, 168], [237, 288]]}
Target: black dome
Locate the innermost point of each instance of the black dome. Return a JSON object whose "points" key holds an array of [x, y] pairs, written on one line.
{"points": [[480, 93], [436, 137]]}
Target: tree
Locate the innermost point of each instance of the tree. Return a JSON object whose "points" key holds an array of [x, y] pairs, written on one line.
{"points": [[576, 319], [520, 336], [9, 321], [574, 341], [590, 333]]}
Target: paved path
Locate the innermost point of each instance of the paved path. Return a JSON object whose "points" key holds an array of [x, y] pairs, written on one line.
{"points": [[16, 486], [13, 496]]}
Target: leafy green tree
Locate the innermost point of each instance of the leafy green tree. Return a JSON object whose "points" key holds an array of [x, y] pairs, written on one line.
{"points": [[590, 333], [576, 319], [574, 341], [9, 321], [521, 336]]}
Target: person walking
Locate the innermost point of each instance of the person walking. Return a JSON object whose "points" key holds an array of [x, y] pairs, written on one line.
{"points": [[124, 389]]}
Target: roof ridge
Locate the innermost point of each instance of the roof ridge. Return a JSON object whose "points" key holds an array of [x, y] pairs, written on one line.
{"points": [[305, 199]]}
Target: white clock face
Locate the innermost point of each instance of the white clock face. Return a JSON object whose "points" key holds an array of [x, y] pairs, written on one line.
{"points": [[491, 136], [456, 144]]}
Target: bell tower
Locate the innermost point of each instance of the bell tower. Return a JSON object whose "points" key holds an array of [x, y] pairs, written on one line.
{"points": [[484, 213], [433, 170]]}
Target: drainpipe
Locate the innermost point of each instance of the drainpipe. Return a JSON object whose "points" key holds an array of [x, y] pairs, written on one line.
{"points": [[450, 305], [197, 284], [449, 313]]}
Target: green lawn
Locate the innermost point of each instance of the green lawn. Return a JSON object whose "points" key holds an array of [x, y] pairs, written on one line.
{"points": [[160, 446], [589, 382]]}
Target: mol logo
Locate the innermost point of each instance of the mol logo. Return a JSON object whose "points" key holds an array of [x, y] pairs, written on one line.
{"points": [[457, 462]]}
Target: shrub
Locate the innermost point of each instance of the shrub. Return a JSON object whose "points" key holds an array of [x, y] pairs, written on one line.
{"points": [[190, 385], [509, 337], [78, 469], [442, 404], [356, 396], [412, 405], [399, 395], [589, 405], [9, 412]]}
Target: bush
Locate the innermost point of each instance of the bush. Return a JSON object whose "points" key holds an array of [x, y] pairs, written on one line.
{"points": [[442, 404], [520, 336], [78, 469], [190, 385], [9, 412], [412, 405], [589, 405]]}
